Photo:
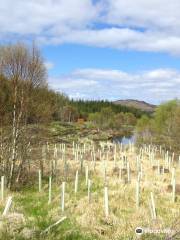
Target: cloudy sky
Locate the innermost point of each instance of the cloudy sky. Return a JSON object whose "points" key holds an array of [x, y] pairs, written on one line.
{"points": [[102, 49]]}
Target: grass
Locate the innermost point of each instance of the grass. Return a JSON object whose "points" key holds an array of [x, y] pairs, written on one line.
{"points": [[87, 221]]}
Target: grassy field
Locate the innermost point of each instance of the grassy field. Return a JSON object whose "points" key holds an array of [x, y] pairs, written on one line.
{"points": [[31, 214]]}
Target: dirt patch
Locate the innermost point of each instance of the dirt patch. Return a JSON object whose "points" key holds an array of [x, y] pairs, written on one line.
{"points": [[115, 171], [169, 188]]}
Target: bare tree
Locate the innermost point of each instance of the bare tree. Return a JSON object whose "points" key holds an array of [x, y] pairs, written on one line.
{"points": [[23, 67]]}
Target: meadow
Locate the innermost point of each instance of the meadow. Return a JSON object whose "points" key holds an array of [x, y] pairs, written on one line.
{"points": [[95, 190]]}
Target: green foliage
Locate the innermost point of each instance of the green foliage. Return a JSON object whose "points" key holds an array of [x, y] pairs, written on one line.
{"points": [[106, 118], [143, 123], [42, 104], [144, 128], [163, 128], [5, 99], [164, 116]]}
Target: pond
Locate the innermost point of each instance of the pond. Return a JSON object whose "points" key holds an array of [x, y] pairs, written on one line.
{"points": [[124, 140]]}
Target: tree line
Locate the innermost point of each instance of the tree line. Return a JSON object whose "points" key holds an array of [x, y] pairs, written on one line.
{"points": [[86, 107], [106, 115]]}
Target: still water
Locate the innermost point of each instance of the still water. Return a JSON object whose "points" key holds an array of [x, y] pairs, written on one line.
{"points": [[124, 140]]}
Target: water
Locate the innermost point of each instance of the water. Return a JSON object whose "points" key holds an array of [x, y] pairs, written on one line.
{"points": [[124, 140]]}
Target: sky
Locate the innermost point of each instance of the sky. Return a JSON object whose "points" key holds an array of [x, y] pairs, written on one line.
{"points": [[102, 49]]}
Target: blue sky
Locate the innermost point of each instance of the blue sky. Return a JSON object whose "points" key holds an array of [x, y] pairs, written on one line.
{"points": [[68, 57], [103, 49]]}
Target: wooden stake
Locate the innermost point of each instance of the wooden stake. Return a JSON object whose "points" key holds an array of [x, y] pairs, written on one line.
{"points": [[76, 183], [50, 190], [89, 190], [40, 181], [174, 190], [115, 155], [173, 175], [105, 176], [128, 172], [159, 168], [87, 175], [54, 224], [106, 202], [137, 194], [63, 196], [150, 207], [153, 206], [7, 207], [2, 188]]}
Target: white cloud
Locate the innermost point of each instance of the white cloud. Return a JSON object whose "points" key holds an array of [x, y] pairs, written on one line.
{"points": [[121, 38], [49, 65], [143, 25], [154, 14], [154, 86], [161, 74], [44, 15], [101, 74]]}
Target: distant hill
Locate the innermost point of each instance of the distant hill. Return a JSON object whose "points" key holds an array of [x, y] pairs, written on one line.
{"points": [[144, 106]]}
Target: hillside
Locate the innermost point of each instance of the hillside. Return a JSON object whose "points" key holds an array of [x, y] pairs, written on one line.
{"points": [[144, 106], [86, 107]]}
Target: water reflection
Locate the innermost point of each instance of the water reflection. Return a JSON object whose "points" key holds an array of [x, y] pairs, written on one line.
{"points": [[124, 140]]}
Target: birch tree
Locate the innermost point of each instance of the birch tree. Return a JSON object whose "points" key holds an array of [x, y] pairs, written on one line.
{"points": [[23, 67]]}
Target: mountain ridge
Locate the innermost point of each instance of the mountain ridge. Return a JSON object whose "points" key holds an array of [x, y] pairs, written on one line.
{"points": [[139, 104]]}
